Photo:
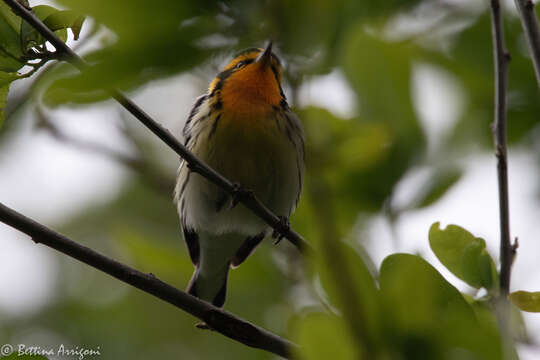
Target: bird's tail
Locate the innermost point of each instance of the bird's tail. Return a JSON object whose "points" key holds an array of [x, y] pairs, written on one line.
{"points": [[217, 254], [209, 287]]}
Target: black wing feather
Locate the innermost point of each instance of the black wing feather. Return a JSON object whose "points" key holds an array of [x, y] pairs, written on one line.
{"points": [[192, 242]]}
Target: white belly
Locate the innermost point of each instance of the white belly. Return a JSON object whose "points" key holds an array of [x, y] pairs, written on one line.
{"points": [[261, 158]]}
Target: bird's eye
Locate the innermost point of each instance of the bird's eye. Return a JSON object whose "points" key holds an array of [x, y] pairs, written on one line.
{"points": [[240, 64]]}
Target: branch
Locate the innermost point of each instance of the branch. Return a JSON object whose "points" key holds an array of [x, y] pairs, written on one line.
{"points": [[530, 27], [217, 319], [247, 198], [501, 58]]}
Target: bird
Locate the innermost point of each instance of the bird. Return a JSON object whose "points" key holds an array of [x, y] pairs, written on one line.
{"points": [[244, 129]]}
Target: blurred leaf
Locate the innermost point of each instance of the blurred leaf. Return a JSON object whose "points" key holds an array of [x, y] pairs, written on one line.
{"points": [[518, 325], [438, 185], [418, 293], [427, 318], [9, 17], [321, 35], [324, 336], [10, 49], [351, 288], [464, 255], [5, 80], [150, 41], [29, 36], [526, 301], [339, 158], [380, 73], [485, 313], [470, 58], [56, 20], [65, 19], [161, 259], [342, 271]]}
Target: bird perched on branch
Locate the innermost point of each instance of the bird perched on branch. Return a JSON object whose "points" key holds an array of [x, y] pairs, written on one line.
{"points": [[244, 129]]}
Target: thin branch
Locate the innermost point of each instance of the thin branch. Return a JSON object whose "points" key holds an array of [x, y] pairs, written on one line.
{"points": [[247, 198], [501, 58], [216, 318], [529, 21]]}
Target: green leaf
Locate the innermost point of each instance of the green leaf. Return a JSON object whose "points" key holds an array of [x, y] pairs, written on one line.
{"points": [[415, 293], [526, 301], [9, 17], [464, 255], [438, 185], [10, 50], [56, 20], [340, 159], [65, 19], [150, 42], [427, 318], [9, 63], [324, 336], [5, 80], [29, 36], [518, 326], [379, 72], [350, 287]]}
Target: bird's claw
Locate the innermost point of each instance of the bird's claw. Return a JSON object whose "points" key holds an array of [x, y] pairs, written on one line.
{"points": [[238, 193], [284, 226]]}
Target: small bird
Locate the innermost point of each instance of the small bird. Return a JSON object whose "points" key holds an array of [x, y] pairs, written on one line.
{"points": [[244, 129]]}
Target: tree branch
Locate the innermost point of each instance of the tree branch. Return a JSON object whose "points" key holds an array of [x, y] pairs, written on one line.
{"points": [[501, 58], [529, 22], [247, 198], [216, 318]]}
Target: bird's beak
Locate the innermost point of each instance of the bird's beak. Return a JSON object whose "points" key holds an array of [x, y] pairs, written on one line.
{"points": [[265, 57]]}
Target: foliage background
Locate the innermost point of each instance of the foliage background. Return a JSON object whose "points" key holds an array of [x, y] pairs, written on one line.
{"points": [[396, 99]]}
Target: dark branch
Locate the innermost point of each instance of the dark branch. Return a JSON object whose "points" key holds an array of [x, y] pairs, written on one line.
{"points": [[501, 58], [529, 21], [217, 319], [251, 202]]}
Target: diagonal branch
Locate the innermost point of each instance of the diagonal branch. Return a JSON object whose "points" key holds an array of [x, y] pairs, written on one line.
{"points": [[247, 198], [501, 58], [217, 319], [529, 21]]}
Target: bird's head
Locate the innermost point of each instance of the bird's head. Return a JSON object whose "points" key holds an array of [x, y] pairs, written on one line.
{"points": [[251, 82]]}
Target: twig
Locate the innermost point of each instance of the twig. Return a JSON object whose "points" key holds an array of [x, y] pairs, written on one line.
{"points": [[501, 58], [247, 198], [529, 21], [217, 319]]}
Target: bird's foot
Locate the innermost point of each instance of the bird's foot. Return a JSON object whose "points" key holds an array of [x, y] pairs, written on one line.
{"points": [[239, 193], [284, 226]]}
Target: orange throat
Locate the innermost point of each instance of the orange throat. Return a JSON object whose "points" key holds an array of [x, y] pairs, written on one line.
{"points": [[252, 91]]}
